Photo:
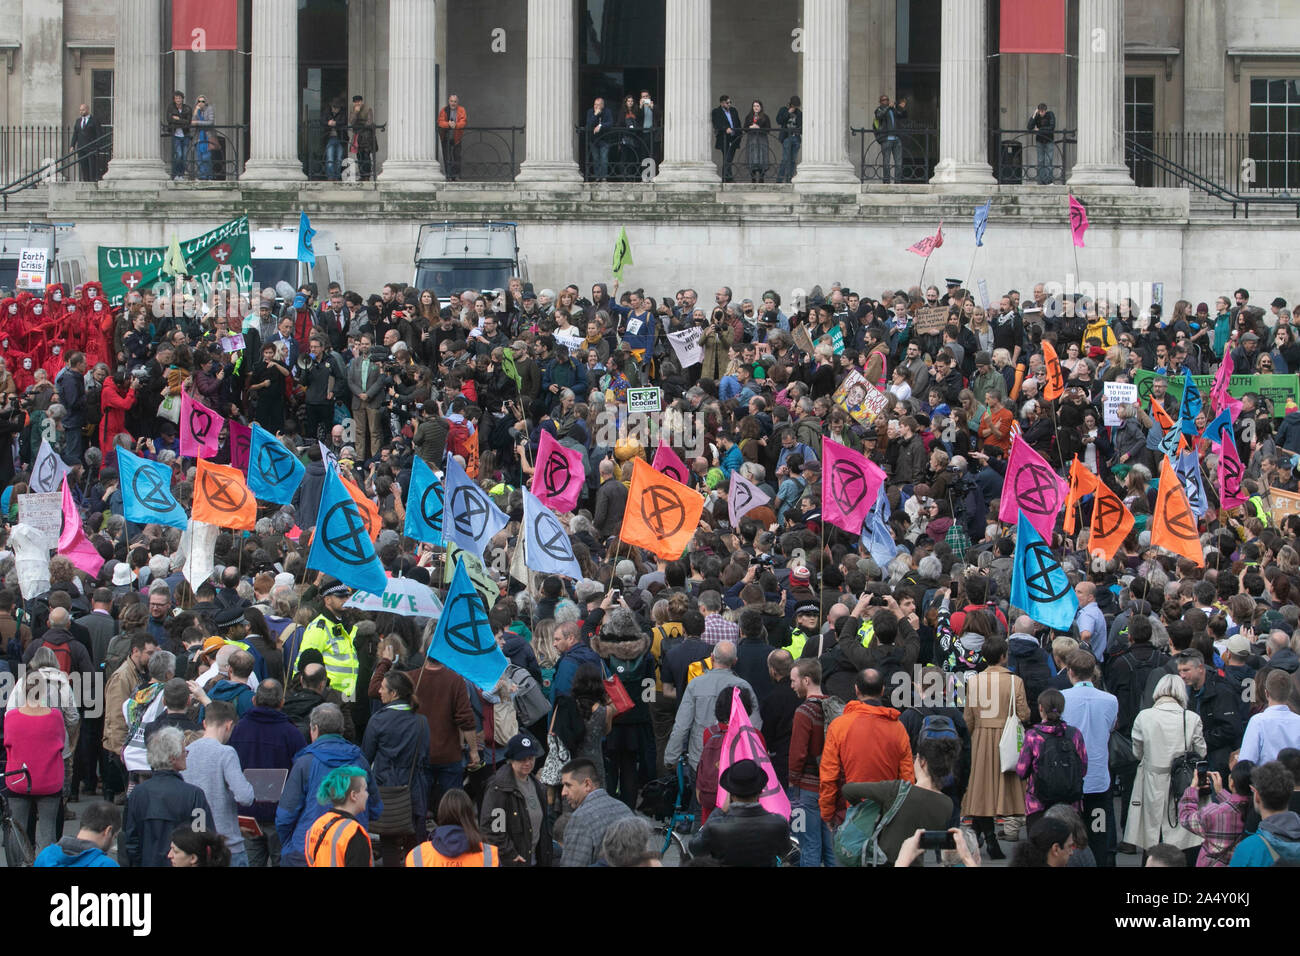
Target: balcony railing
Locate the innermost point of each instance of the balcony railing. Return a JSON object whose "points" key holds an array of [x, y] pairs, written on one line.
{"points": [[207, 154], [341, 165], [1018, 156], [619, 154], [902, 155], [1255, 163], [488, 154], [25, 149]]}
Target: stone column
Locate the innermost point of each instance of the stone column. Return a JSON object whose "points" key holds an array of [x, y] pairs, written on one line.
{"points": [[963, 95], [273, 117], [551, 107], [1101, 95], [688, 101], [42, 65], [825, 154], [137, 108], [412, 156]]}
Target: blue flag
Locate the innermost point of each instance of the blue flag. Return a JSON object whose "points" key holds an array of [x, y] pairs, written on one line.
{"points": [[274, 472], [463, 639], [547, 549], [1188, 469], [1222, 423], [424, 504], [147, 492], [341, 545], [1190, 406], [306, 239], [981, 221], [877, 539], [1039, 585], [470, 519]]}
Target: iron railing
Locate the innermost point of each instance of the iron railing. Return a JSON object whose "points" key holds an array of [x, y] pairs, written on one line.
{"points": [[619, 154], [206, 154], [903, 155], [1018, 156], [1263, 163], [59, 168], [488, 154], [1169, 172], [24, 149], [349, 166], [761, 156]]}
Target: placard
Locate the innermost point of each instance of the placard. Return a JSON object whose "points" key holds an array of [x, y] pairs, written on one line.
{"points": [[44, 512], [931, 320], [836, 339], [802, 340], [33, 266], [1283, 503], [686, 345], [232, 343], [648, 399], [862, 400], [1276, 388], [1117, 394], [983, 285], [570, 339]]}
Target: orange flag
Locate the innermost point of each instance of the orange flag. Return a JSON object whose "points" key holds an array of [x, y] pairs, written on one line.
{"points": [[1082, 482], [222, 498], [1173, 524], [1164, 421], [662, 515], [1111, 522], [369, 510], [1055, 386]]}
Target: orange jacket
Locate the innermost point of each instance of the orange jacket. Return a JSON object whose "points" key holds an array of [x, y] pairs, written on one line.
{"points": [[865, 744], [426, 855], [462, 120]]}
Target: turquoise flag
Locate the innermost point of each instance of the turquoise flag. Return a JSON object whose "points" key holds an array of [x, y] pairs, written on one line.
{"points": [[274, 473], [470, 519], [341, 545], [547, 549], [306, 239], [1188, 470], [147, 492], [1039, 585], [424, 504], [463, 639], [1191, 404]]}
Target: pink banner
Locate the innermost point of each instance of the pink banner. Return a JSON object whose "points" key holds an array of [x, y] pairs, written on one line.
{"points": [[1230, 474], [241, 436], [200, 428], [743, 742], [73, 543], [558, 474], [668, 463], [1032, 487], [850, 484], [923, 247], [1078, 221], [1219, 397]]}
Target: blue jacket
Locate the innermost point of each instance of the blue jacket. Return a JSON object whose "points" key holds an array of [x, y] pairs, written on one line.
{"points": [[568, 666], [266, 739], [520, 653], [1281, 831], [73, 852], [299, 808], [396, 739], [237, 692], [731, 460], [153, 810]]}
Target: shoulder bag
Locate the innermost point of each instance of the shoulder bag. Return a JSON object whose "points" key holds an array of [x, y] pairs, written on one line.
{"points": [[1013, 734]]}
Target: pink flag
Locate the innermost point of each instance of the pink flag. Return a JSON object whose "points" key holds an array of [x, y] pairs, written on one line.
{"points": [[241, 436], [923, 247], [668, 463], [1078, 221], [850, 484], [73, 543], [1032, 487], [743, 742], [558, 474], [200, 428], [1230, 473], [1219, 397]]}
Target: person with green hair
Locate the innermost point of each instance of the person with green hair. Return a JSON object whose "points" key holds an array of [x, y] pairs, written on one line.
{"points": [[337, 838]]}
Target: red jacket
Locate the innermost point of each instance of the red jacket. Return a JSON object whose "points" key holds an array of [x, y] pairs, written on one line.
{"points": [[865, 744], [459, 125]]}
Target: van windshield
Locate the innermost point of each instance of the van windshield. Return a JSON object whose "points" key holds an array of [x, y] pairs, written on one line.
{"points": [[8, 274], [267, 273], [446, 277]]}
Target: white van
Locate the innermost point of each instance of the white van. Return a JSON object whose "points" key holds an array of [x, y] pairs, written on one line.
{"points": [[66, 257], [275, 260], [455, 256]]}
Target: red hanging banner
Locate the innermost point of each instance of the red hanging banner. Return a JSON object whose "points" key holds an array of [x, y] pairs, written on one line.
{"points": [[1032, 26], [202, 25]]}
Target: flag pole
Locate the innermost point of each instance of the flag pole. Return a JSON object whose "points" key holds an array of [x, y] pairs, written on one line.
{"points": [[971, 271]]}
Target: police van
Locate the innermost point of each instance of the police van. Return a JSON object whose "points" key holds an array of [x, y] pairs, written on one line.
{"points": [[455, 256], [275, 260]]}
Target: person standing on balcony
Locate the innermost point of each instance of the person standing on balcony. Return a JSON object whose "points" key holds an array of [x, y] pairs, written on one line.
{"points": [[203, 120], [886, 127], [758, 126], [598, 120], [178, 122], [1043, 125], [452, 120], [84, 133], [789, 119], [726, 127], [334, 127], [364, 141]]}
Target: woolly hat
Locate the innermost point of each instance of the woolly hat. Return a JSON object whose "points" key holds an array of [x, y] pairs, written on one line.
{"points": [[620, 625]]}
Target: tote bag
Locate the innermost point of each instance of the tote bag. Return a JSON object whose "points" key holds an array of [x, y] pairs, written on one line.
{"points": [[1013, 735]]}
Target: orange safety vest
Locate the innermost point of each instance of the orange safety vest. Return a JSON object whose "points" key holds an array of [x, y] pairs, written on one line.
{"points": [[329, 836], [426, 855]]}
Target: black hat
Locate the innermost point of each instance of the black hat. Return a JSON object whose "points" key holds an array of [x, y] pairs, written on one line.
{"points": [[228, 616], [333, 586], [952, 283], [523, 746], [744, 778]]}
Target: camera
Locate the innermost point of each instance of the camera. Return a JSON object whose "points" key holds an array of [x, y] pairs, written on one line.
{"points": [[937, 840]]}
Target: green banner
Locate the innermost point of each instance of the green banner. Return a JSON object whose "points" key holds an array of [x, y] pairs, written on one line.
{"points": [[1275, 388], [225, 251]]}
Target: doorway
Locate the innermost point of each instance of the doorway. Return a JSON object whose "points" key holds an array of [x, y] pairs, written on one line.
{"points": [[322, 75], [621, 53]]}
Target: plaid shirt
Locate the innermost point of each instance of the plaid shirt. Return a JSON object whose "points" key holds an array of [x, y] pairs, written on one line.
{"points": [[718, 628], [587, 826], [1221, 822]]}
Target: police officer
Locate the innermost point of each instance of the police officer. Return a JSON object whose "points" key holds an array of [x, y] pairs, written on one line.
{"points": [[806, 617], [336, 643]]}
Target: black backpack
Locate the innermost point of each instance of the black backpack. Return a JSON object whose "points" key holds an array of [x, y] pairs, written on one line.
{"points": [[1139, 672], [1058, 772]]}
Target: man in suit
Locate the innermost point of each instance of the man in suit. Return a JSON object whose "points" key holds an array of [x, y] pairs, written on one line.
{"points": [[84, 132], [334, 318], [366, 382], [598, 121], [284, 333], [726, 127]]}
